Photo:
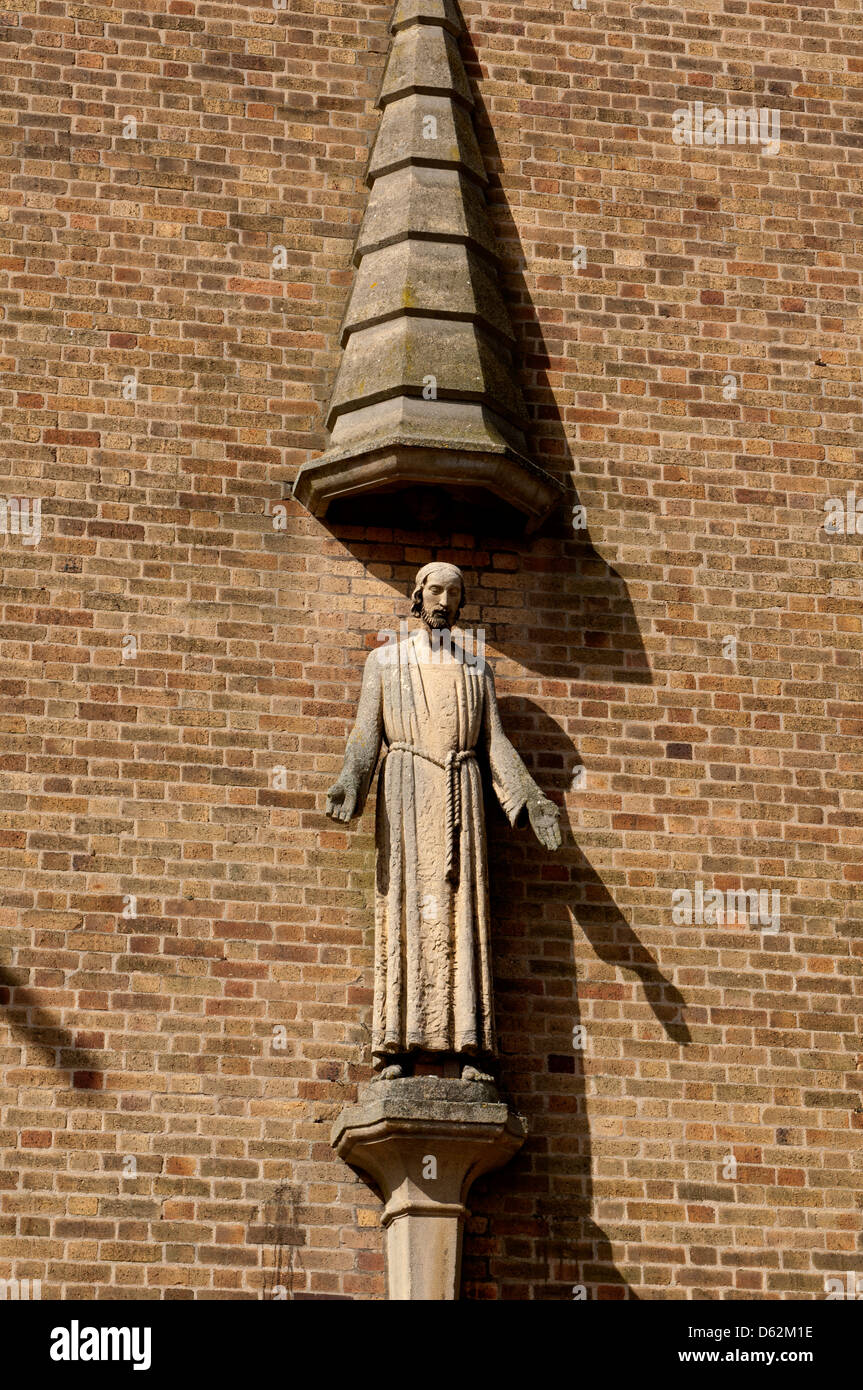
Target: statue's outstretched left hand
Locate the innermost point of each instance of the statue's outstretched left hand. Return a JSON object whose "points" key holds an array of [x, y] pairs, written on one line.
{"points": [[342, 799], [544, 820]]}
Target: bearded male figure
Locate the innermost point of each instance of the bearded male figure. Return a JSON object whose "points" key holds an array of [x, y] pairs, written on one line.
{"points": [[432, 705]]}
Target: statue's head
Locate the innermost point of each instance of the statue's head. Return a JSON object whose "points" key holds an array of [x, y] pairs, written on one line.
{"points": [[438, 595]]}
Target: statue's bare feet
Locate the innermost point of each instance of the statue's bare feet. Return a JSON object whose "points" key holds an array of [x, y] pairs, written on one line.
{"points": [[470, 1073], [390, 1073]]}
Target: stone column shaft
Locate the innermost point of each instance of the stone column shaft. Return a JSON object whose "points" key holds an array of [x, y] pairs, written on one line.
{"points": [[424, 1141]]}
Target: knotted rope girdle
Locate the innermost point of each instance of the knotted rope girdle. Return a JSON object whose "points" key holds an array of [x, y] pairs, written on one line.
{"points": [[451, 767]]}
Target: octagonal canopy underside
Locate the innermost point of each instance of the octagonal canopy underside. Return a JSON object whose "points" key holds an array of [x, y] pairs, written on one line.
{"points": [[475, 479]]}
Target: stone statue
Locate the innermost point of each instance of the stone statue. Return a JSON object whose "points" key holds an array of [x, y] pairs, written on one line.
{"points": [[431, 702]]}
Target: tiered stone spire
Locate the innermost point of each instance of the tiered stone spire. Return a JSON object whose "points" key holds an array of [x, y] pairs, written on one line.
{"points": [[425, 394]]}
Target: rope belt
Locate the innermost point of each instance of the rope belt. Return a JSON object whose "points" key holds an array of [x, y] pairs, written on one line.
{"points": [[451, 766]]}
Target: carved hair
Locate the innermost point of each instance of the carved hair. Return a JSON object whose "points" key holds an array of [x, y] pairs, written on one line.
{"points": [[417, 595]]}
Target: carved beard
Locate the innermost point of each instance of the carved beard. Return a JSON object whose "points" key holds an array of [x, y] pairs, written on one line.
{"points": [[434, 618]]}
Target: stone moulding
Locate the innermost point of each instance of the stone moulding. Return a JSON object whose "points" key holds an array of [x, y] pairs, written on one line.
{"points": [[424, 1141], [426, 334], [393, 465]]}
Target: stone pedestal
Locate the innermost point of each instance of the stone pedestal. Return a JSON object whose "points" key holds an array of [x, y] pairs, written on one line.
{"points": [[424, 1140]]}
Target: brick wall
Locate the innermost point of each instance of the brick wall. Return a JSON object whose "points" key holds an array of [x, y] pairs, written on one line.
{"points": [[178, 675]]}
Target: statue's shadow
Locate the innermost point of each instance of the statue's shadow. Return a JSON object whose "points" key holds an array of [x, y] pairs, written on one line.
{"points": [[533, 1234]]}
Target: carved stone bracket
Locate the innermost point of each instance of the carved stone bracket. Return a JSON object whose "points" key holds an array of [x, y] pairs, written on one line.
{"points": [[424, 1140]]}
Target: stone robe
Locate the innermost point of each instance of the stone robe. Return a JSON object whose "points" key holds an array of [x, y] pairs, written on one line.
{"points": [[433, 984]]}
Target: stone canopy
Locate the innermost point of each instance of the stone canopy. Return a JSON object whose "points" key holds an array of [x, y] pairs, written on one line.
{"points": [[426, 394]]}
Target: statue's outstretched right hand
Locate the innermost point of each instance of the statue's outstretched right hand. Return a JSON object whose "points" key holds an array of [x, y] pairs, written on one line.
{"points": [[341, 800]]}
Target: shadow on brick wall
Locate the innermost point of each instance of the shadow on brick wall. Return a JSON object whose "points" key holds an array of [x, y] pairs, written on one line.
{"points": [[36, 1028], [532, 1234]]}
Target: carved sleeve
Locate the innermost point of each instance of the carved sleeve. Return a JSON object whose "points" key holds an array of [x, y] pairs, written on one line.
{"points": [[364, 744], [513, 784]]}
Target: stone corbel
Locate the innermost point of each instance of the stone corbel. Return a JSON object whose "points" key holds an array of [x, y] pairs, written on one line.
{"points": [[425, 1140]]}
